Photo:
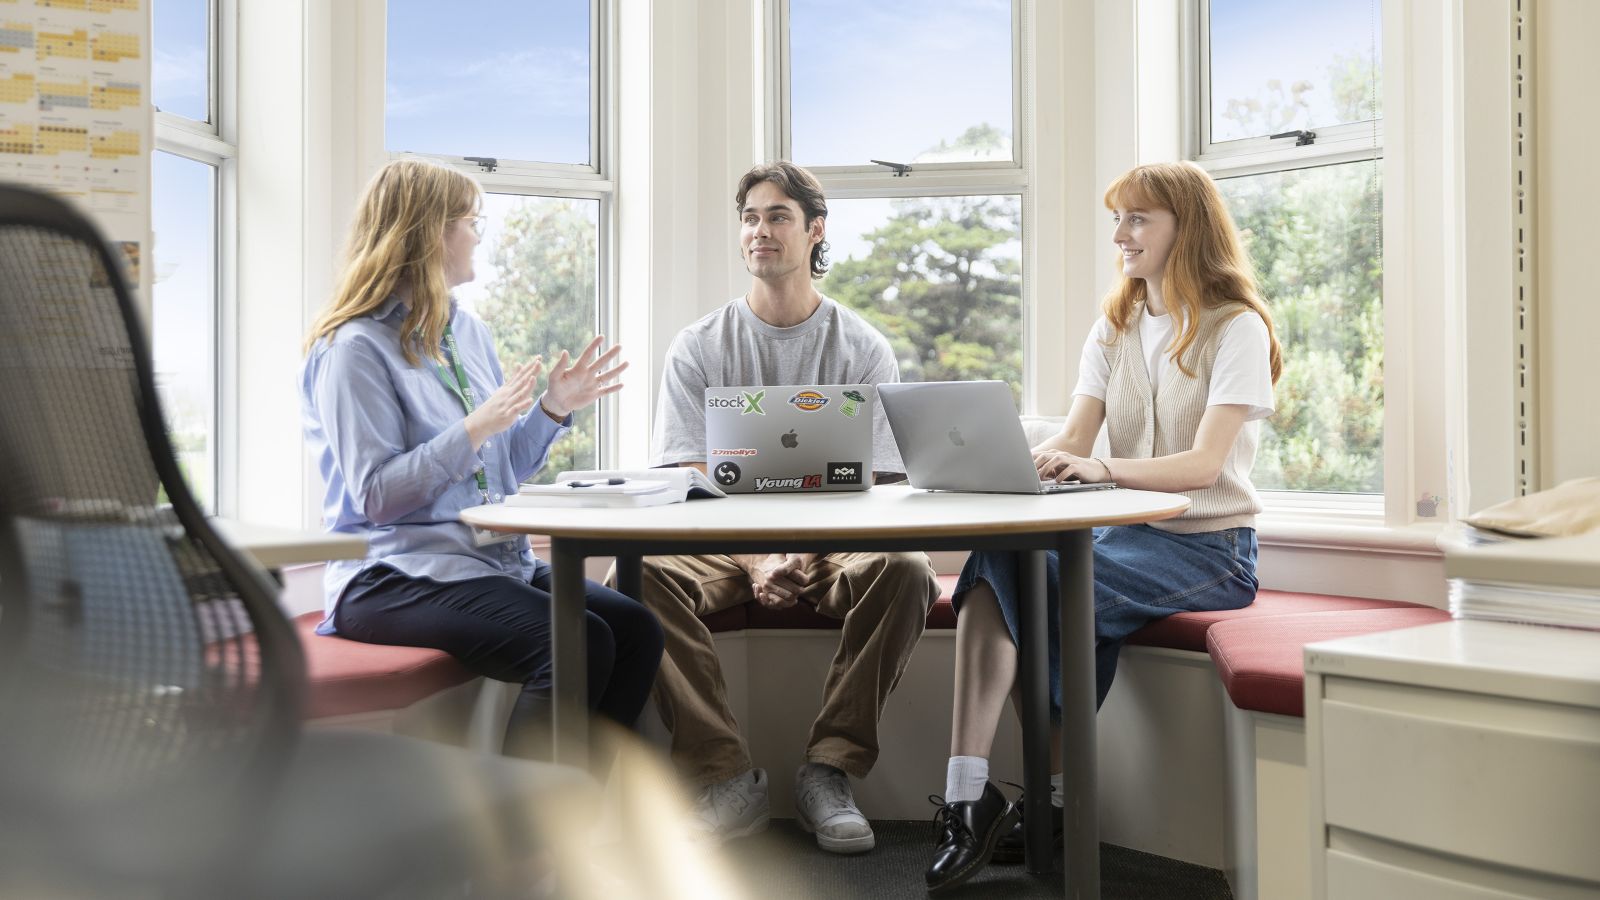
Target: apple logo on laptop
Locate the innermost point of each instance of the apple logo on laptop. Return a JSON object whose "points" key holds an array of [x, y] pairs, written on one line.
{"points": [[790, 440], [955, 437]]}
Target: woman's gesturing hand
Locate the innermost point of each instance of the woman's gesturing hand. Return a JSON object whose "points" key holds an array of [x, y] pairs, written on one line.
{"points": [[1059, 465], [584, 381], [505, 405]]}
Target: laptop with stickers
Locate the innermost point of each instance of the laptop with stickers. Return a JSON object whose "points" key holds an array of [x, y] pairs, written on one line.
{"points": [[965, 436], [790, 438]]}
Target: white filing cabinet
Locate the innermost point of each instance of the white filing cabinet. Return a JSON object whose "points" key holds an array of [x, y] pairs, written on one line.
{"points": [[1456, 760]]}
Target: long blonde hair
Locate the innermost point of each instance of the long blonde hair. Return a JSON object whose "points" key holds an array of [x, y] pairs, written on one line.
{"points": [[1207, 266], [398, 238]]}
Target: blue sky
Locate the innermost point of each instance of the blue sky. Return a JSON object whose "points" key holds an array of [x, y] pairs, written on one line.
{"points": [[1255, 41], [510, 80]]}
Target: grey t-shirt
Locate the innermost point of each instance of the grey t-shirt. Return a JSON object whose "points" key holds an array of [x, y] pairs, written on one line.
{"points": [[732, 347]]}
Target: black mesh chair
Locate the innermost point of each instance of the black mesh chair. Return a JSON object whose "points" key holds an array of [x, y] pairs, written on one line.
{"points": [[150, 686]]}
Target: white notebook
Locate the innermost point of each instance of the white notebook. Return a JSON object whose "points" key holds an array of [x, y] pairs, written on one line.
{"points": [[612, 488]]}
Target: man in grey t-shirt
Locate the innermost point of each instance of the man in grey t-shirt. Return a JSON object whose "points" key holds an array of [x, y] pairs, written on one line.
{"points": [[782, 332]]}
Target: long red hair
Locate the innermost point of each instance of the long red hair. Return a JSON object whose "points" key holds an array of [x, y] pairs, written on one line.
{"points": [[1207, 267]]}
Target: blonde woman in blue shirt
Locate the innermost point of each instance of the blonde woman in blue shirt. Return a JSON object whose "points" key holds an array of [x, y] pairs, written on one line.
{"points": [[410, 420]]}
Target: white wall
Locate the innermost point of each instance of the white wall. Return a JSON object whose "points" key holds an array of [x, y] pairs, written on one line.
{"points": [[1566, 77]]}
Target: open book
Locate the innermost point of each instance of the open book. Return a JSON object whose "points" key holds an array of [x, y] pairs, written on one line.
{"points": [[644, 487]]}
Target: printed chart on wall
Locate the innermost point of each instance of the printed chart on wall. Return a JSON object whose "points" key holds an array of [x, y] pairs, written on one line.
{"points": [[74, 110]]}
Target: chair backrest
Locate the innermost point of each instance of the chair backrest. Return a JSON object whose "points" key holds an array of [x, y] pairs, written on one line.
{"points": [[150, 686]]}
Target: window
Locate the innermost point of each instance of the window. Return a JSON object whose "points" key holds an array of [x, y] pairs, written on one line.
{"points": [[541, 281], [521, 90], [191, 186], [1290, 124], [907, 114]]}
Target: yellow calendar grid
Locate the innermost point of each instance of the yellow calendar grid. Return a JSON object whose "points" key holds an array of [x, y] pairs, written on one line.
{"points": [[16, 139], [17, 89], [63, 93], [64, 4], [115, 96], [62, 139], [68, 45], [114, 5], [109, 47], [15, 36], [115, 144]]}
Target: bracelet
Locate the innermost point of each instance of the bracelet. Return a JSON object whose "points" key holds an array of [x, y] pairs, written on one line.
{"points": [[1103, 465], [559, 419]]}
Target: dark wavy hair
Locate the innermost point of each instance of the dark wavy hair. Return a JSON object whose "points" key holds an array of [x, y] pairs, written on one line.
{"points": [[803, 188]]}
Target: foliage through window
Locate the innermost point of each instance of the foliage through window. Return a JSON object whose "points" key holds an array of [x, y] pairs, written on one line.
{"points": [[537, 288], [941, 277], [1313, 225]]}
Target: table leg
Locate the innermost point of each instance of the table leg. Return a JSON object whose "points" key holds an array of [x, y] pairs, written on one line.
{"points": [[1082, 825], [630, 576], [1034, 673], [569, 649]]}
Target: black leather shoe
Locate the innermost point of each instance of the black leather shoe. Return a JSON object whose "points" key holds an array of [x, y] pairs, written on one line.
{"points": [[967, 833], [1010, 849]]}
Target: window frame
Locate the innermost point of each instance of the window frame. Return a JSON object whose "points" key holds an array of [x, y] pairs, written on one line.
{"points": [[1349, 143], [952, 179], [594, 181], [215, 143]]}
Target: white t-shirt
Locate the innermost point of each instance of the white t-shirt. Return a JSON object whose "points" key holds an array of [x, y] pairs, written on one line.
{"points": [[1242, 373]]}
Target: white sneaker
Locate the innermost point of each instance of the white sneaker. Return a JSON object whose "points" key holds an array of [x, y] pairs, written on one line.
{"points": [[734, 808], [825, 807]]}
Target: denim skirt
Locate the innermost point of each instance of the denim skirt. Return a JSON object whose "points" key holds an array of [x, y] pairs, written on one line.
{"points": [[1140, 574]]}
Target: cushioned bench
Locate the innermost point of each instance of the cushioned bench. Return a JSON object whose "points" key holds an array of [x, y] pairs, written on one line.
{"points": [[1261, 660], [346, 677]]}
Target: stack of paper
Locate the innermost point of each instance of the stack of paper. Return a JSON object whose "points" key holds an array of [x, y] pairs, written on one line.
{"points": [[650, 487], [1544, 581]]}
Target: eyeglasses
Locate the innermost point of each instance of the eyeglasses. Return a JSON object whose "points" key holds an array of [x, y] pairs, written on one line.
{"points": [[478, 223]]}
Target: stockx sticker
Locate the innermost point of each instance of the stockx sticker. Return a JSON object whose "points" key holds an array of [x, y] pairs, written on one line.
{"points": [[752, 403], [727, 473], [852, 403]]}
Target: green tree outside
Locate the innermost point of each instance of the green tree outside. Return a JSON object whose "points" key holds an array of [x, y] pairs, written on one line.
{"points": [[545, 301]]}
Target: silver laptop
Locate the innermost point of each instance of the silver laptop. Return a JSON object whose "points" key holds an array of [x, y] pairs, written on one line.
{"points": [[965, 436], [790, 438]]}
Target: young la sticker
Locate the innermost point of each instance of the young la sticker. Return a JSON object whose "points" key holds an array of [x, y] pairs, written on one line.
{"points": [[852, 403], [809, 400]]}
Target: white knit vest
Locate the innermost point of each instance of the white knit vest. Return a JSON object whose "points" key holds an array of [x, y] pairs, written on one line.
{"points": [[1142, 426]]}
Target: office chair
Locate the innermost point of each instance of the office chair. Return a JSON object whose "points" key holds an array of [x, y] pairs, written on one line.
{"points": [[150, 686]]}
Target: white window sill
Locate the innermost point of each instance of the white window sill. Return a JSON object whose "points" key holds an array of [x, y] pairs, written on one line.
{"points": [[1348, 532]]}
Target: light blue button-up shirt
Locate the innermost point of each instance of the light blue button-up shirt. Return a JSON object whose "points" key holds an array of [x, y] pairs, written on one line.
{"points": [[390, 441]]}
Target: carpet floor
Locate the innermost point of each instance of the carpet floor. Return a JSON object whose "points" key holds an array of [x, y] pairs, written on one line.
{"points": [[785, 863]]}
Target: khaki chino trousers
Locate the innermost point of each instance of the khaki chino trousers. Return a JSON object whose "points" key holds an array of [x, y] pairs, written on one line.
{"points": [[883, 599]]}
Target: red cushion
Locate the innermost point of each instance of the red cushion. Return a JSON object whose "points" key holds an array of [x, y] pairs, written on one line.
{"points": [[1262, 660], [346, 677], [1187, 630]]}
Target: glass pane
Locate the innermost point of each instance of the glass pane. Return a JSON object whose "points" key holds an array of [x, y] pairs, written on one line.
{"points": [[537, 287], [899, 80], [183, 315], [941, 277], [509, 80], [1315, 238], [181, 70], [1279, 67]]}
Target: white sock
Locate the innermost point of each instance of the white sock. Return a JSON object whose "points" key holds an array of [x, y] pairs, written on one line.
{"points": [[964, 779], [1055, 790]]}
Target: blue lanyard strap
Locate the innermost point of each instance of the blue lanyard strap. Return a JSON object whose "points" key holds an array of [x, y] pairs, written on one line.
{"points": [[461, 388]]}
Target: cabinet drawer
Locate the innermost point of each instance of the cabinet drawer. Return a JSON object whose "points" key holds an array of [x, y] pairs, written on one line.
{"points": [[1484, 778]]}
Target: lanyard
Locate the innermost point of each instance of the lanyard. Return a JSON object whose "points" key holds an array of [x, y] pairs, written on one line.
{"points": [[462, 389]]}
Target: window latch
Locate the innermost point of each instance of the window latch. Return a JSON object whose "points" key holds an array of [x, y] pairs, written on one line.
{"points": [[487, 163], [901, 170], [1301, 138]]}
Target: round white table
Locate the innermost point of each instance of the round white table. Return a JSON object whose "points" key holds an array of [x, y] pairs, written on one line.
{"points": [[884, 518]]}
